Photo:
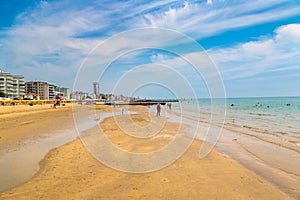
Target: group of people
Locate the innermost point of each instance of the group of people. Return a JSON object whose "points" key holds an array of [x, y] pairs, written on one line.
{"points": [[158, 108]]}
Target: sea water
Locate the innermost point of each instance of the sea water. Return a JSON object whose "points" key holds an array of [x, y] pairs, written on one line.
{"points": [[272, 119]]}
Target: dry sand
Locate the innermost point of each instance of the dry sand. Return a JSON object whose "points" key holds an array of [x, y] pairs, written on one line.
{"points": [[71, 172]]}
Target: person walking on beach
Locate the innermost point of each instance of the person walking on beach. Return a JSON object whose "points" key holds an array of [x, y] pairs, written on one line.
{"points": [[169, 106], [158, 108]]}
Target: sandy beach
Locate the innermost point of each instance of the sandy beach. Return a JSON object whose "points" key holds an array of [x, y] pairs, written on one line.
{"points": [[71, 172], [19, 123]]}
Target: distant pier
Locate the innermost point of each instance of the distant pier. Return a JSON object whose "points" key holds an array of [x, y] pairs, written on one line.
{"points": [[148, 102]]}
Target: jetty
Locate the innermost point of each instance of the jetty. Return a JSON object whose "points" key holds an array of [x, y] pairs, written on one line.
{"points": [[150, 102]]}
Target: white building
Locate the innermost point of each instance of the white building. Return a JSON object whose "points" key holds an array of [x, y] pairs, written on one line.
{"points": [[78, 95], [62, 91], [66, 92], [13, 86], [96, 87]]}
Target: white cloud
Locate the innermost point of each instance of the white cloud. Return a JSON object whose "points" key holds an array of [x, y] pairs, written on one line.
{"points": [[202, 20], [288, 35], [279, 53], [59, 34], [63, 32]]}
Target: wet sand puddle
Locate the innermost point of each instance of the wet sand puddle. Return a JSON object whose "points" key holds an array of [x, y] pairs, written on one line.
{"points": [[21, 163]]}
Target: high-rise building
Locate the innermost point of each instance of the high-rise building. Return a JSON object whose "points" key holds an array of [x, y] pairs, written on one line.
{"points": [[13, 86], [40, 90], [66, 92], [96, 87]]}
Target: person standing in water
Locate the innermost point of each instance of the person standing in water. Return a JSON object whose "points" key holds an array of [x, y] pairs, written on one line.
{"points": [[158, 109], [169, 106]]}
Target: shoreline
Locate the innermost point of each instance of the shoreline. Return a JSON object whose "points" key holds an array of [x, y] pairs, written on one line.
{"points": [[274, 162], [45, 162]]}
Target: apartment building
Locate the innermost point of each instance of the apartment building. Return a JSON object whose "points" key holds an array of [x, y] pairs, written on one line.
{"points": [[40, 90], [13, 86], [63, 92], [66, 92]]}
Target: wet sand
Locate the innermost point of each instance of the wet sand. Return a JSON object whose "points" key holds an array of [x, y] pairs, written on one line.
{"points": [[277, 164], [27, 134], [22, 123], [71, 172], [273, 161]]}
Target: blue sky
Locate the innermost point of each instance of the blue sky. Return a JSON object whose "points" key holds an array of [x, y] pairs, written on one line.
{"points": [[254, 44]]}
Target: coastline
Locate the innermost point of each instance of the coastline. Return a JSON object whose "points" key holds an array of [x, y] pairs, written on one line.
{"points": [[274, 161], [71, 165]]}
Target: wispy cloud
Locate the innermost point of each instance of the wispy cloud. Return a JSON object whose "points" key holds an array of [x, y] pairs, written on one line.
{"points": [[201, 20], [267, 55], [267, 60], [52, 38]]}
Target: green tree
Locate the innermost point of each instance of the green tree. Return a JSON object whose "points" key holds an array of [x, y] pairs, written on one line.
{"points": [[2, 94]]}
